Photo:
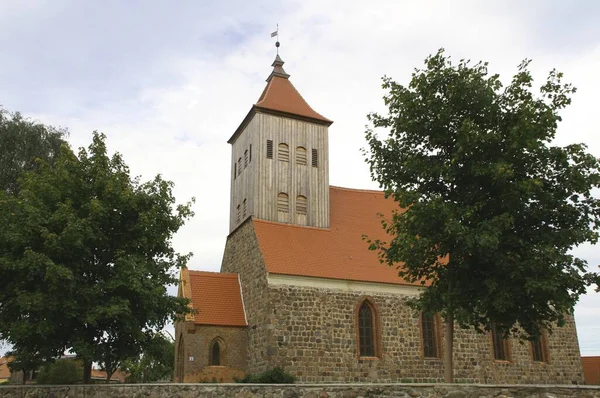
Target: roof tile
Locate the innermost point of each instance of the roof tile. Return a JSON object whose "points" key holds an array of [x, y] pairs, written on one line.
{"points": [[338, 252], [217, 298]]}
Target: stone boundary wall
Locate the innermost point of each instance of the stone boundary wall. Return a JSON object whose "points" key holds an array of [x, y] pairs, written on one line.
{"points": [[300, 391]]}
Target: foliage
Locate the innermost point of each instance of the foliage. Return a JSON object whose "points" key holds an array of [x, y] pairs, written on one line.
{"points": [[24, 141], [154, 364], [271, 376], [490, 208], [85, 258], [63, 371]]}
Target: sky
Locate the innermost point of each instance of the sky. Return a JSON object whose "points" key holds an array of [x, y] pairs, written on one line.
{"points": [[169, 82]]}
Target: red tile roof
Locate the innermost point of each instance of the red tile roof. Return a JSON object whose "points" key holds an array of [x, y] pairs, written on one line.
{"points": [[280, 95], [216, 297], [591, 369], [338, 252]]}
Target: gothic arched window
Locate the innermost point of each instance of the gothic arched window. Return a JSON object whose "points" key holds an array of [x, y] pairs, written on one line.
{"points": [[283, 152], [367, 330], [430, 336], [215, 354]]}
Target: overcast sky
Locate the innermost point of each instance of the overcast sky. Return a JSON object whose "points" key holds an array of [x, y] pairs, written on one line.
{"points": [[168, 82]]}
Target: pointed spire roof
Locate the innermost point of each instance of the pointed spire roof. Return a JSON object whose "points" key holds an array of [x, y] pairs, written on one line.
{"points": [[281, 97]]}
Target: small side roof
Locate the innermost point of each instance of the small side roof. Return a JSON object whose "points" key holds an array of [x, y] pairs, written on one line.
{"points": [[215, 297]]}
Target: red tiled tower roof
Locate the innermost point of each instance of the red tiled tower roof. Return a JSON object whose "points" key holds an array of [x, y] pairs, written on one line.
{"points": [[281, 97]]}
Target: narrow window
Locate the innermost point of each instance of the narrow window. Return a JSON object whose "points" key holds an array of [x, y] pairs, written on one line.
{"points": [[283, 203], [238, 215], [239, 166], [245, 208], [269, 149], [301, 204], [366, 331], [429, 335], [215, 354], [250, 154], [315, 158], [246, 158], [234, 171], [500, 344], [539, 349], [283, 152], [301, 155]]}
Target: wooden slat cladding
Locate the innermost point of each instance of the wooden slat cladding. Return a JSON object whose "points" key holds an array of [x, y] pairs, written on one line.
{"points": [[269, 173]]}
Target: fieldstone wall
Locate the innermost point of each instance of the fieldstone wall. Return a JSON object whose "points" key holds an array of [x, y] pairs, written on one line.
{"points": [[197, 341], [242, 255], [300, 391], [315, 336]]}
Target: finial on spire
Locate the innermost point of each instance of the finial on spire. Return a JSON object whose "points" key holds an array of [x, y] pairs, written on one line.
{"points": [[276, 34]]}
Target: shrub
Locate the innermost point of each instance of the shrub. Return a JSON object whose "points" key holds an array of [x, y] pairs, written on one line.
{"points": [[272, 376], [65, 371]]}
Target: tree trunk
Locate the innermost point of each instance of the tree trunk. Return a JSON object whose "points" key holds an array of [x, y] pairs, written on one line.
{"points": [[448, 349], [109, 375], [87, 371]]}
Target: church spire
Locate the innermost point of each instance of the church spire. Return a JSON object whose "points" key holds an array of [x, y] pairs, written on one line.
{"points": [[278, 69]]}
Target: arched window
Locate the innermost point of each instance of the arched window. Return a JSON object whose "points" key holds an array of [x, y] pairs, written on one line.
{"points": [[539, 348], [215, 354], [430, 336], [246, 158], [367, 330], [283, 203], [283, 152], [499, 344], [301, 204], [301, 155], [180, 369]]}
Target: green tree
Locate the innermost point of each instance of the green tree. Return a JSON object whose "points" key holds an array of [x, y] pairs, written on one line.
{"points": [[154, 364], [86, 256], [22, 141], [490, 208], [62, 371]]}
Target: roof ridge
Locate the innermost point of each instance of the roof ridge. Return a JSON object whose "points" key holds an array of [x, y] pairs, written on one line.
{"points": [[215, 274], [283, 224], [356, 189]]}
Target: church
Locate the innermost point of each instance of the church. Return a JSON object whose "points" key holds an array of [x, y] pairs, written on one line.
{"points": [[299, 289]]}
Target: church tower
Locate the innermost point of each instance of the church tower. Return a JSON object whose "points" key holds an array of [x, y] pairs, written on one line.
{"points": [[280, 159]]}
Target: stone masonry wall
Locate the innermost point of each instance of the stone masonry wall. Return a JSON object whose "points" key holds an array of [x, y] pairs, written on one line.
{"points": [[299, 391], [315, 334], [242, 255], [197, 341]]}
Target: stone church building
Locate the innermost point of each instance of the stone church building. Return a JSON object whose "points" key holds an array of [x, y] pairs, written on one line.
{"points": [[299, 289]]}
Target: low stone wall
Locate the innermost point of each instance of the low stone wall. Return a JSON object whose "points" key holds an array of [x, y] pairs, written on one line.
{"points": [[300, 391]]}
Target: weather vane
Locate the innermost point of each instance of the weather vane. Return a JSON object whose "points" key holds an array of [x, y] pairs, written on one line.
{"points": [[276, 34]]}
